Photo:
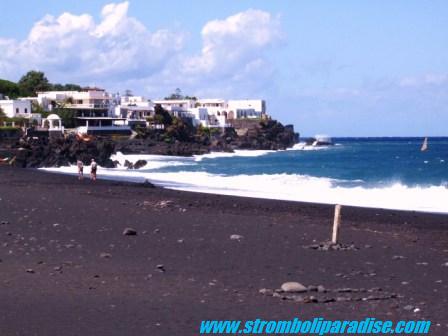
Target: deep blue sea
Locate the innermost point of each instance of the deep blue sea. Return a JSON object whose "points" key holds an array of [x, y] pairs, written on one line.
{"points": [[374, 172]]}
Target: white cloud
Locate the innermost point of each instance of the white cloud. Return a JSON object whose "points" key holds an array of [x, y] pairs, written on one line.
{"points": [[233, 60], [118, 50], [74, 47], [232, 44], [427, 79]]}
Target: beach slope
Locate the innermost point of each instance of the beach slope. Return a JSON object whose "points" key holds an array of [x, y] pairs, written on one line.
{"points": [[67, 268]]}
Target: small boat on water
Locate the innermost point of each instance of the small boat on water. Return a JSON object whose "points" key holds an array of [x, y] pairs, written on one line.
{"points": [[424, 145]]}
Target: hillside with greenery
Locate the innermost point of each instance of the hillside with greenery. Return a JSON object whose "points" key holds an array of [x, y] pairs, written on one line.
{"points": [[31, 83]]}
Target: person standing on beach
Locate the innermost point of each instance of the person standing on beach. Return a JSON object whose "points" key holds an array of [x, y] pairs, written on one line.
{"points": [[80, 169], [93, 167]]}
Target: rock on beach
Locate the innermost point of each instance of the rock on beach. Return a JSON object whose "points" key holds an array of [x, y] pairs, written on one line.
{"points": [[293, 287]]}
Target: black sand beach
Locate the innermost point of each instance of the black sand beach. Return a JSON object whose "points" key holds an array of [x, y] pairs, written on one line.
{"points": [[67, 269]]}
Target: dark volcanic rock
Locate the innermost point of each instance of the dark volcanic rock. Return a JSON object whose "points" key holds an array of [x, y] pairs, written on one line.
{"points": [[248, 134], [177, 140], [128, 164], [139, 164], [267, 135], [55, 152], [129, 232]]}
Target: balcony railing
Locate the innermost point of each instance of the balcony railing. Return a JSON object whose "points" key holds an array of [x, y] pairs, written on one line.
{"points": [[88, 106]]}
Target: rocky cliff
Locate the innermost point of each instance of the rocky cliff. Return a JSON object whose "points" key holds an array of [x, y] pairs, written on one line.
{"points": [[179, 139], [55, 152], [266, 135]]}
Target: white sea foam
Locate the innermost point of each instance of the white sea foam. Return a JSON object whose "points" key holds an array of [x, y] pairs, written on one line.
{"points": [[302, 146], [242, 153], [153, 161], [291, 187]]}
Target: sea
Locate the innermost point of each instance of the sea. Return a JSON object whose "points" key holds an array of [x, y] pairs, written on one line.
{"points": [[390, 173]]}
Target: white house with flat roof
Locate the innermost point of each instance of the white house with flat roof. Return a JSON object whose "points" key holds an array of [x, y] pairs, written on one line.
{"points": [[178, 107], [213, 105], [199, 116], [134, 110], [218, 110], [86, 99], [134, 107], [136, 101], [16, 108], [92, 110], [247, 108]]}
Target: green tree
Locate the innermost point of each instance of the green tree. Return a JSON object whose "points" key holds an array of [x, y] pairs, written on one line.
{"points": [[36, 108], [33, 82], [67, 116], [177, 94], [72, 87], [57, 87], [179, 130], [8, 88], [162, 114], [192, 98], [65, 87]]}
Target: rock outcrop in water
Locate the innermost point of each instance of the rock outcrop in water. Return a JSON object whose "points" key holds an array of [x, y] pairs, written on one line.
{"points": [[265, 135]]}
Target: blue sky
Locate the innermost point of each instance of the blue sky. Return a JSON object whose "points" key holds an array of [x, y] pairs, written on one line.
{"points": [[345, 68]]}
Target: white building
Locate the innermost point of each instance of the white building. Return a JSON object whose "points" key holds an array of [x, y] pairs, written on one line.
{"points": [[87, 99], [136, 101], [16, 108], [177, 107], [132, 115], [92, 110], [134, 110], [218, 111], [199, 116], [134, 107], [213, 106], [247, 108], [217, 120]]}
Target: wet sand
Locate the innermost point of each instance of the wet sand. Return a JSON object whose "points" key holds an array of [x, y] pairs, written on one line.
{"points": [[67, 269]]}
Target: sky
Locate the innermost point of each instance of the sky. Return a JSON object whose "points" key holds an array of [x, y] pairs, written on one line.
{"points": [[342, 68]]}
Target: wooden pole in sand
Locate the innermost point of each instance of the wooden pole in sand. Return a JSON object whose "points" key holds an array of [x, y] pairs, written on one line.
{"points": [[336, 223]]}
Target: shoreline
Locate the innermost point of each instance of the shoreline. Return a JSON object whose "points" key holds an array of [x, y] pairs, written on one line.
{"points": [[67, 269], [109, 175]]}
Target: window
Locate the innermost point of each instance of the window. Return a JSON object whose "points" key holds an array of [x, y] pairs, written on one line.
{"points": [[17, 110], [26, 110]]}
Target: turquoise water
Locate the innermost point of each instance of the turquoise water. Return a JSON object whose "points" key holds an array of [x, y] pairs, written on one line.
{"points": [[370, 162], [378, 172]]}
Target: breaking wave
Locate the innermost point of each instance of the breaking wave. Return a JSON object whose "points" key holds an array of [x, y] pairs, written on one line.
{"points": [[292, 187], [241, 153]]}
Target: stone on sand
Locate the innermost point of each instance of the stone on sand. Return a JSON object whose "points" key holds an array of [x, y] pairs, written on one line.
{"points": [[293, 287], [321, 289], [129, 232]]}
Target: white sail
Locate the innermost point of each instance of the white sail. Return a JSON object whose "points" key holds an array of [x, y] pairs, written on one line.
{"points": [[424, 145]]}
